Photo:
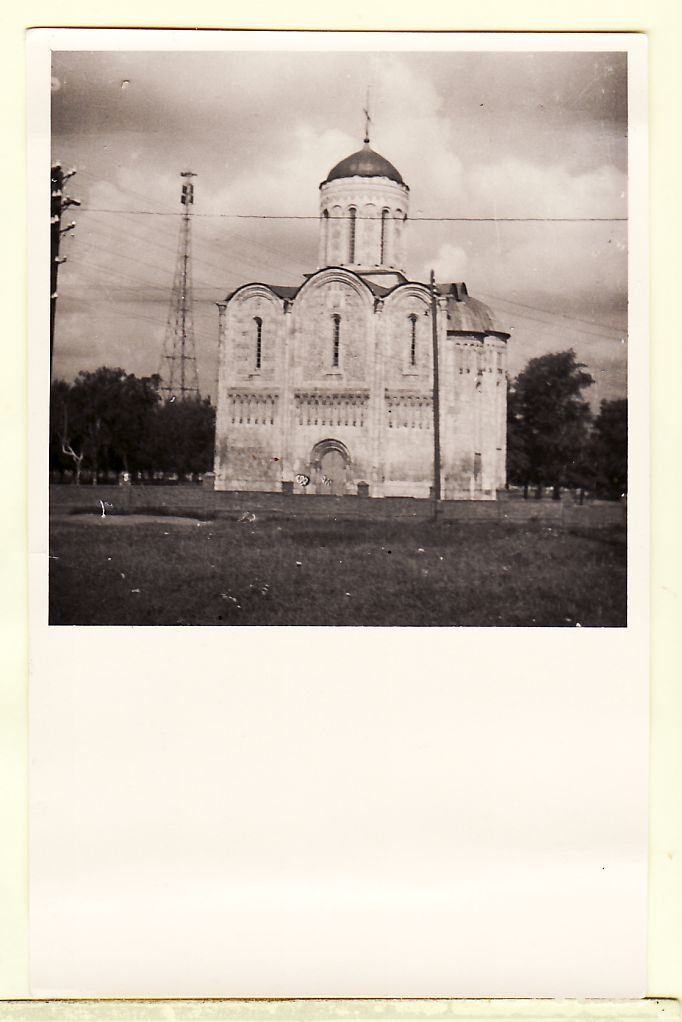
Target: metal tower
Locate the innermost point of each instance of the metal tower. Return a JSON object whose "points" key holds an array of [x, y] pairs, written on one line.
{"points": [[178, 371]]}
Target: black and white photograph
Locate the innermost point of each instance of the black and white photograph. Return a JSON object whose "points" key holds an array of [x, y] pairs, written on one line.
{"points": [[339, 336], [343, 332]]}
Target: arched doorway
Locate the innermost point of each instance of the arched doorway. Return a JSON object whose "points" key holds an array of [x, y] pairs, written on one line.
{"points": [[330, 467]]}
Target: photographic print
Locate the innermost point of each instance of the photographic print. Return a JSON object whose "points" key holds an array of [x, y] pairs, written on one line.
{"points": [[339, 337], [338, 340]]}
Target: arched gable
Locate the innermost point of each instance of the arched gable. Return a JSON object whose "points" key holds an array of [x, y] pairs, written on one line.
{"points": [[335, 275], [333, 329], [408, 292], [255, 317], [408, 345], [254, 293]]}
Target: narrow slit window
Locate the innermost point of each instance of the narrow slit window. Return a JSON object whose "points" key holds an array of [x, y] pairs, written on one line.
{"points": [[336, 343], [259, 341], [352, 215], [325, 234], [413, 340], [384, 225]]}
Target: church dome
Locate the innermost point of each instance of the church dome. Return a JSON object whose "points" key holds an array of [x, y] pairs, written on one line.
{"points": [[364, 163], [468, 315]]}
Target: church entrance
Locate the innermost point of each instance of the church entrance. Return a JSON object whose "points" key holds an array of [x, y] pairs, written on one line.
{"points": [[330, 464]]}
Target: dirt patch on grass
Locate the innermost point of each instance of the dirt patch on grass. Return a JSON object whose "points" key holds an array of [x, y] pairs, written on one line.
{"points": [[109, 521]]}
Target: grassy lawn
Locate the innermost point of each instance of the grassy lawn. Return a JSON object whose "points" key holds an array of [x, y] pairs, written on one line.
{"points": [[344, 572]]}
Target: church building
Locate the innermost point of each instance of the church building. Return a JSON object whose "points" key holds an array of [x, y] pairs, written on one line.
{"points": [[328, 387]]}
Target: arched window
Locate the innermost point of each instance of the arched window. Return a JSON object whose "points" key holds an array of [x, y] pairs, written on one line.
{"points": [[325, 235], [336, 341], [413, 339], [259, 341], [384, 228], [352, 217]]}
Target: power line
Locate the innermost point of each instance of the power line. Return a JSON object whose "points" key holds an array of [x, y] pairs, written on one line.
{"points": [[425, 219], [167, 290], [563, 326], [114, 305], [392, 359], [213, 244], [549, 312], [127, 191], [239, 237], [142, 262], [244, 260]]}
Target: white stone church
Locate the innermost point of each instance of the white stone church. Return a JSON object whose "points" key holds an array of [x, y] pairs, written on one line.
{"points": [[328, 387]]}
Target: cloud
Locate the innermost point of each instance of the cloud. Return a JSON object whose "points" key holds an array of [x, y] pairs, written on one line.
{"points": [[519, 188], [486, 134], [289, 183], [450, 263]]}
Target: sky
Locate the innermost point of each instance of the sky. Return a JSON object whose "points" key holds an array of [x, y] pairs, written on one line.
{"points": [[492, 135]]}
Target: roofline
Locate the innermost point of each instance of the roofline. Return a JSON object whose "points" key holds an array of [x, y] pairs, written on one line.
{"points": [[343, 269], [365, 177], [309, 277], [253, 283], [502, 334]]}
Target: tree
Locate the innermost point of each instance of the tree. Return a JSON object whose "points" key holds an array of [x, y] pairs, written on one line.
{"points": [[112, 410], [609, 448], [113, 420], [183, 436], [518, 463], [548, 422], [59, 391], [62, 445], [104, 418]]}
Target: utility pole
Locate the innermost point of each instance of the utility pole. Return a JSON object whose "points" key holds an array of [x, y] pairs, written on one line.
{"points": [[436, 398], [58, 203], [178, 372]]}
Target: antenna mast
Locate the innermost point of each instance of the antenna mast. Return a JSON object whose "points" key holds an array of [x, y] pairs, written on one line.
{"points": [[180, 379]]}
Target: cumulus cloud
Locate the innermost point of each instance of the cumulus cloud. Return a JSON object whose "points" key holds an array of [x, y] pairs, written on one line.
{"points": [[474, 135], [450, 263], [520, 188]]}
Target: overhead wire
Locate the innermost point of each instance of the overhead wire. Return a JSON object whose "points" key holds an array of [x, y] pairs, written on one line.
{"points": [[158, 323], [411, 219], [216, 246], [242, 238], [197, 258], [217, 289], [549, 312]]}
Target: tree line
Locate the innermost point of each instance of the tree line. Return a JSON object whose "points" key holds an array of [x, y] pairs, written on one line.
{"points": [[554, 440], [112, 421]]}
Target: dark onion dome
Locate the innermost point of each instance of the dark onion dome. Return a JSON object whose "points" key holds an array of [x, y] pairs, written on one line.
{"points": [[468, 315], [364, 163]]}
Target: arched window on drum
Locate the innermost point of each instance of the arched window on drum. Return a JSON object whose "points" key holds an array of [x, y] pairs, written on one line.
{"points": [[325, 235], [352, 225], [258, 322], [383, 256]]}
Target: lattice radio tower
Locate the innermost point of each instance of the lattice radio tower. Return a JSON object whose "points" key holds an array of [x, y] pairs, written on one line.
{"points": [[179, 377]]}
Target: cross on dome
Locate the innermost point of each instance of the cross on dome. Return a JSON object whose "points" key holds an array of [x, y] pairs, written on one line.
{"points": [[367, 118]]}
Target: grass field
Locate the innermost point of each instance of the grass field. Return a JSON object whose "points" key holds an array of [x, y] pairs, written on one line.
{"points": [[334, 572]]}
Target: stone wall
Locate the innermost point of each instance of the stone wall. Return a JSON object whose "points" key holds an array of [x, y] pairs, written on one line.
{"points": [[380, 208], [372, 393]]}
